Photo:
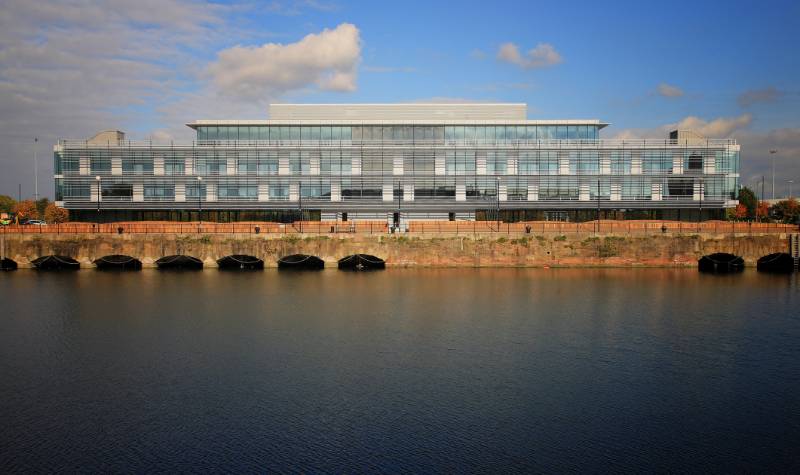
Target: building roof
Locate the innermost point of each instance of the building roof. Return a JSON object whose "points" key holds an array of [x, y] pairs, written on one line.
{"points": [[385, 114]]}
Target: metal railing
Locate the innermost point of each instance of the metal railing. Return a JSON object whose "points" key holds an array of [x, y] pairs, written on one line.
{"points": [[448, 228]]}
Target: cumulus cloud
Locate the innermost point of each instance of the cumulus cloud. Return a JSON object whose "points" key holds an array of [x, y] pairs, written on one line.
{"points": [[71, 68], [754, 96], [667, 90], [327, 60], [542, 56], [721, 127]]}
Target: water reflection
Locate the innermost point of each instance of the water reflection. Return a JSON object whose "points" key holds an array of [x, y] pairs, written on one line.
{"points": [[414, 370]]}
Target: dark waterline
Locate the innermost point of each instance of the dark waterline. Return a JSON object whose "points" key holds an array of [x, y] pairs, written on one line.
{"points": [[399, 371]]}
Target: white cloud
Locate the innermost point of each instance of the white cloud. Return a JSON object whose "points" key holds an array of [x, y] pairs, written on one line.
{"points": [[328, 60], [754, 96], [542, 56], [667, 90], [721, 127]]}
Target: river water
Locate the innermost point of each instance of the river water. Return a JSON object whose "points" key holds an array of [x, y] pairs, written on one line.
{"points": [[493, 370]]}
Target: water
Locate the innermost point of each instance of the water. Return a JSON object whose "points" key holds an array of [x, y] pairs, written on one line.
{"points": [[399, 371]]}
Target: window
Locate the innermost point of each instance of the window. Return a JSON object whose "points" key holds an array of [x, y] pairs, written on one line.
{"points": [[279, 192], [237, 192], [695, 162], [100, 162], [194, 191], [116, 190], [496, 162], [159, 191]]}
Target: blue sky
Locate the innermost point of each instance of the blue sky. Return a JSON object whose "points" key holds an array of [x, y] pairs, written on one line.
{"points": [[69, 68]]}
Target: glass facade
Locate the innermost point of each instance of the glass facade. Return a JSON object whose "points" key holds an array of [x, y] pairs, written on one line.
{"points": [[377, 168]]}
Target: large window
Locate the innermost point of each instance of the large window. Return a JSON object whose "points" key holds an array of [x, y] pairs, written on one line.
{"points": [[119, 191], [237, 192], [159, 192], [496, 162], [279, 192], [100, 161]]}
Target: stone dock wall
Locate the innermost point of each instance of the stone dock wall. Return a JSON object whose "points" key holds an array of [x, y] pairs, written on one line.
{"points": [[573, 250]]}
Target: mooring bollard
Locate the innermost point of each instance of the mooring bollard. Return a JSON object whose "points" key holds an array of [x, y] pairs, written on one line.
{"points": [[119, 230], [258, 229]]}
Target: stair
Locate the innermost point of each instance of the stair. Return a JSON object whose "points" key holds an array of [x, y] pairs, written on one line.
{"points": [[794, 249]]}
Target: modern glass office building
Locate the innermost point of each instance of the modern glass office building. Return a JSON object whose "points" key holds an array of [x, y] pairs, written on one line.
{"points": [[396, 162]]}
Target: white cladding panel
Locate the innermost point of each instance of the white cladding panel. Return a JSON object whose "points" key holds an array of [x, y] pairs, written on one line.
{"points": [[397, 112]]}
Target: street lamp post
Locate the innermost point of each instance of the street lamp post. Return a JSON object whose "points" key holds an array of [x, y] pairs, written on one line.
{"points": [[300, 203], [199, 202], [99, 191], [772, 154], [497, 195], [398, 207], [790, 188], [702, 192]]}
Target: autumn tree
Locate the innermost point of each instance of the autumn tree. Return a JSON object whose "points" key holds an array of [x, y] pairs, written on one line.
{"points": [[787, 211], [749, 200], [54, 214], [740, 212], [762, 210], [26, 210]]}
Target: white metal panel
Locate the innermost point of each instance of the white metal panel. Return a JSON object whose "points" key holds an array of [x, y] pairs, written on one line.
{"points": [[583, 192], [636, 166], [116, 165], [677, 165], [180, 192], [408, 192], [616, 192], [388, 192], [158, 165], [355, 165], [211, 192], [605, 166], [533, 192], [263, 192], [502, 191], [710, 165], [439, 164], [655, 191], [188, 166], [230, 168], [480, 162], [138, 192], [397, 165], [293, 191], [461, 190], [283, 165], [336, 191], [83, 165]]}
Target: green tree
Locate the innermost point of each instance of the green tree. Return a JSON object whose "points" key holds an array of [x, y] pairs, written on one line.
{"points": [[7, 204], [749, 200], [41, 205]]}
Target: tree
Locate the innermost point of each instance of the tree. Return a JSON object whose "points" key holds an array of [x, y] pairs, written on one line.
{"points": [[740, 212], [762, 211], [7, 204], [54, 214], [26, 210], [41, 205], [749, 200], [787, 211]]}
